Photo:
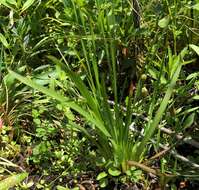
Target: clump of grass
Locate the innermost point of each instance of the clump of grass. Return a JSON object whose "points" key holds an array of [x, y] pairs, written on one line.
{"points": [[77, 58]]}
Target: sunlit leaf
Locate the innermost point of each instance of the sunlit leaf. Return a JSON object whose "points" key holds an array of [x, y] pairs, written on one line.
{"points": [[196, 7], [193, 75], [103, 182], [13, 2], [12, 5], [114, 171], [196, 97], [4, 41], [163, 23], [189, 121], [101, 175], [27, 4], [195, 48], [8, 3], [158, 116], [59, 187], [12, 181], [6, 162], [64, 100]]}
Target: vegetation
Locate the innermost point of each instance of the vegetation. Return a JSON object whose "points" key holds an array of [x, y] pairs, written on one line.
{"points": [[98, 94]]}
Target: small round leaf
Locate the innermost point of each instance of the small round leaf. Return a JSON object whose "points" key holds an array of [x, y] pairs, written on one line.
{"points": [[103, 183], [114, 172], [101, 175], [163, 23]]}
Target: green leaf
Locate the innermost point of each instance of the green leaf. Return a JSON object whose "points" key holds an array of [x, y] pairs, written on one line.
{"points": [[6, 162], [36, 86], [149, 131], [196, 97], [101, 175], [64, 100], [114, 172], [27, 4], [79, 83], [137, 173], [12, 2], [189, 110], [195, 48], [59, 187], [44, 78], [163, 23], [4, 41], [196, 7], [154, 74], [9, 3], [103, 183], [12, 181], [193, 75], [189, 121]]}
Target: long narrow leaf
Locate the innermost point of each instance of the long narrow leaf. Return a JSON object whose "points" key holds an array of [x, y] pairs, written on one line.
{"points": [[152, 126], [12, 181], [4, 41], [79, 83], [26, 5], [63, 100]]}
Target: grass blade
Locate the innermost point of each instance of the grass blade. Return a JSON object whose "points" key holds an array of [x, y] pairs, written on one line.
{"points": [[154, 124], [26, 5], [90, 116]]}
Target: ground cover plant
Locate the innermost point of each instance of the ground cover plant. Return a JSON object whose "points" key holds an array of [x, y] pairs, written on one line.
{"points": [[98, 94]]}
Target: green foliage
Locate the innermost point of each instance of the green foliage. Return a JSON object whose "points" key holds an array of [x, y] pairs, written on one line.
{"points": [[122, 148], [195, 48], [163, 23], [12, 181], [101, 89]]}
